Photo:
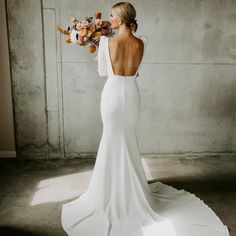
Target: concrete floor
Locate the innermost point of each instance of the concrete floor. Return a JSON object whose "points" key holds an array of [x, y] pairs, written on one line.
{"points": [[32, 192]]}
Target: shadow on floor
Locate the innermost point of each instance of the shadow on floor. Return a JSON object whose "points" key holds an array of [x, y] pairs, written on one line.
{"points": [[15, 231], [209, 184]]}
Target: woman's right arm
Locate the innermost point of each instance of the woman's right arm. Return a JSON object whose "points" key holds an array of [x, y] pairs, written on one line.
{"points": [[102, 62]]}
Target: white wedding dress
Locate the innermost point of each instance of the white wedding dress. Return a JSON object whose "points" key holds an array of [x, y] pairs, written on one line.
{"points": [[119, 201]]}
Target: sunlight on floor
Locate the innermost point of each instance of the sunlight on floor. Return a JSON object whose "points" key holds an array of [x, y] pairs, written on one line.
{"points": [[61, 188]]}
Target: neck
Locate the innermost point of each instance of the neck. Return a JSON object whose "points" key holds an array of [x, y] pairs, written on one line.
{"points": [[125, 31]]}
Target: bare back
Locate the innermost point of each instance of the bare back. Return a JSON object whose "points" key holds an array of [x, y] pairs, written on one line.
{"points": [[125, 54]]}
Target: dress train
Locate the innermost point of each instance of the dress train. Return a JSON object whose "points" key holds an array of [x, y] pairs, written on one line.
{"points": [[119, 201]]}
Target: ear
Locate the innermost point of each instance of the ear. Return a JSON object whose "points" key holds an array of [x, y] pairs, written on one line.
{"points": [[119, 20]]}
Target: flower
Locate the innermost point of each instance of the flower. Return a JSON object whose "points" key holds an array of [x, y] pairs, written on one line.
{"points": [[87, 31], [85, 24], [73, 20]]}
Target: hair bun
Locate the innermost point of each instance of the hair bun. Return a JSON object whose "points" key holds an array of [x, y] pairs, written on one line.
{"points": [[134, 21]]}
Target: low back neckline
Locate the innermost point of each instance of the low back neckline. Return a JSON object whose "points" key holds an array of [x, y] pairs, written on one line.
{"points": [[109, 59]]}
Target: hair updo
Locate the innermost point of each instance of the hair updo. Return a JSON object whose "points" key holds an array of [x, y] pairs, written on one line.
{"points": [[127, 14]]}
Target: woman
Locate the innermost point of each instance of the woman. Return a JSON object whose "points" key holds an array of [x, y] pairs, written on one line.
{"points": [[119, 201]]}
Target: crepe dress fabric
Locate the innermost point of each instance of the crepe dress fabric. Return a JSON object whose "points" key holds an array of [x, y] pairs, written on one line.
{"points": [[119, 201]]}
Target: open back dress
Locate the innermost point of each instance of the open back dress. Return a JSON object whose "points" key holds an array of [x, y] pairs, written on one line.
{"points": [[119, 201]]}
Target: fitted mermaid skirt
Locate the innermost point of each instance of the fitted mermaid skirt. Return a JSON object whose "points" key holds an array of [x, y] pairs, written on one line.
{"points": [[119, 201]]}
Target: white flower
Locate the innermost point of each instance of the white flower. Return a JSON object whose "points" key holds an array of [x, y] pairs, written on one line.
{"points": [[97, 21], [85, 24], [73, 34]]}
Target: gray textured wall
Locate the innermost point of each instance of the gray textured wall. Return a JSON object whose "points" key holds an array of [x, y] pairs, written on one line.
{"points": [[7, 134], [187, 80]]}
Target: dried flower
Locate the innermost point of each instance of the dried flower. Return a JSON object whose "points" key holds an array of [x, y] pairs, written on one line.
{"points": [[87, 31]]}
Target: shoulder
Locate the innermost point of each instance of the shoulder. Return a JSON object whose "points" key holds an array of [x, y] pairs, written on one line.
{"points": [[141, 43], [113, 39], [138, 42], [143, 40]]}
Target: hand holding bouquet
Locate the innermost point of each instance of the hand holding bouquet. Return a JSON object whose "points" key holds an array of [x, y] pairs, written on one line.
{"points": [[87, 31]]}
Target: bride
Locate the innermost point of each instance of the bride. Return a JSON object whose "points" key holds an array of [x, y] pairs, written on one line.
{"points": [[119, 201]]}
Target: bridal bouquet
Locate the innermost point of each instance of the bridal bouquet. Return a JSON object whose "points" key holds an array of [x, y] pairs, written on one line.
{"points": [[87, 31]]}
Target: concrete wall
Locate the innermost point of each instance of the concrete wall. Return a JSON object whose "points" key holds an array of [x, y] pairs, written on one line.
{"points": [[187, 80], [28, 77], [7, 137]]}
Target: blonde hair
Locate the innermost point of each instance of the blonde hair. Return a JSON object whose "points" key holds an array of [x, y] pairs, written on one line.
{"points": [[127, 14]]}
